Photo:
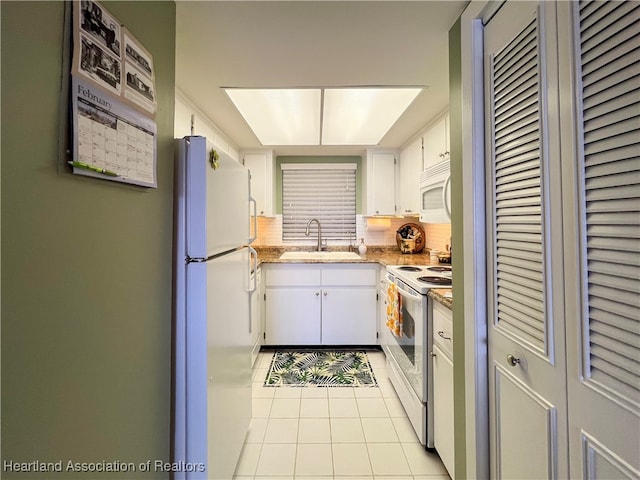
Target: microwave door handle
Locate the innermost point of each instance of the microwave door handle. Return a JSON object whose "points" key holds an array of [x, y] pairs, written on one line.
{"points": [[445, 188]]}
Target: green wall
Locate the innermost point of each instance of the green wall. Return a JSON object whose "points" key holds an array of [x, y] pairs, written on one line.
{"points": [[455, 133], [318, 159], [86, 265]]}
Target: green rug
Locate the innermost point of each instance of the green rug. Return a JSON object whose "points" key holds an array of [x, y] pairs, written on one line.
{"points": [[320, 369]]}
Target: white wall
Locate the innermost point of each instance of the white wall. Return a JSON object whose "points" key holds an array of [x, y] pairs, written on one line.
{"points": [[185, 110]]}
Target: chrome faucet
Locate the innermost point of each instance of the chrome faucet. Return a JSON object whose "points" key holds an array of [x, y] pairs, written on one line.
{"points": [[319, 232]]}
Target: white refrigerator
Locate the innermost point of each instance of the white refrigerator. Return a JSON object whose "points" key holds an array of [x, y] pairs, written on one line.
{"points": [[212, 349]]}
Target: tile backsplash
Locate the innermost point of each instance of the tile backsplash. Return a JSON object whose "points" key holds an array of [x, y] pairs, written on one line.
{"points": [[437, 235]]}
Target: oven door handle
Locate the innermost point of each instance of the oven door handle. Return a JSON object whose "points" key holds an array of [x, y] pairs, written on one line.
{"points": [[405, 292], [401, 290]]}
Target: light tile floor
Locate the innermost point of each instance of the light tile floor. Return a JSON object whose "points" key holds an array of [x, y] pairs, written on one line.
{"points": [[336, 433]]}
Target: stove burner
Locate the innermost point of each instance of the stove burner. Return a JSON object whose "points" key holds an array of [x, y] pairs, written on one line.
{"points": [[410, 269], [436, 280], [439, 269]]}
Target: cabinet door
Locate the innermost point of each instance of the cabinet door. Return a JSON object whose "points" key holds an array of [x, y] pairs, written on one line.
{"points": [[410, 169], [293, 316], [435, 142], [261, 181], [349, 316], [382, 314], [381, 185], [443, 408]]}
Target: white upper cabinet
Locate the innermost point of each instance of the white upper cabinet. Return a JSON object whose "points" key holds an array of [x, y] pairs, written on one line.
{"points": [[436, 142], [410, 168], [260, 164], [379, 179]]}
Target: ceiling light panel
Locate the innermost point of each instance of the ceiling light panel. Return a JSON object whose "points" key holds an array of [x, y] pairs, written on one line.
{"points": [[280, 116], [362, 116]]}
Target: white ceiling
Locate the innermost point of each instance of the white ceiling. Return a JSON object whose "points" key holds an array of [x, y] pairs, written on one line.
{"points": [[313, 44]]}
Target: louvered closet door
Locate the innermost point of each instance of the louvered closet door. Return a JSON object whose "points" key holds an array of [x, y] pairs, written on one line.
{"points": [[527, 369], [603, 274]]}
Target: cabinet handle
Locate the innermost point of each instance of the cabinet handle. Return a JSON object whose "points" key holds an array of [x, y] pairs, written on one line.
{"points": [[317, 293], [325, 294], [441, 335], [433, 354]]}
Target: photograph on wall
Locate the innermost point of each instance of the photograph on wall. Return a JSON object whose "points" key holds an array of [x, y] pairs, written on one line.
{"points": [[98, 65], [111, 140], [96, 22], [97, 46], [139, 86]]}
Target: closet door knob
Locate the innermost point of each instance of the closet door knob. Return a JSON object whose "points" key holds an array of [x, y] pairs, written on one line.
{"points": [[512, 360]]}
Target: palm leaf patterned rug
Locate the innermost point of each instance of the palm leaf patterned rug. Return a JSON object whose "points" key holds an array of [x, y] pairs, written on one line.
{"points": [[320, 369]]}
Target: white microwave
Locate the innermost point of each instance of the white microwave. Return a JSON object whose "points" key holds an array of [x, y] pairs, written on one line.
{"points": [[435, 193]]}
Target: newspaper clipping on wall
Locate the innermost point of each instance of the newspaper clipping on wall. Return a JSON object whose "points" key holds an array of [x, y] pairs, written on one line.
{"points": [[113, 100]]}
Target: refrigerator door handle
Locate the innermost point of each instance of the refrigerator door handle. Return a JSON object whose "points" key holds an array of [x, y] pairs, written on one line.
{"points": [[253, 286], [253, 254], [254, 219]]}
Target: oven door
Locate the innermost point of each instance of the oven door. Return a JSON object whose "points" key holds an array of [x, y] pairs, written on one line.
{"points": [[408, 350]]}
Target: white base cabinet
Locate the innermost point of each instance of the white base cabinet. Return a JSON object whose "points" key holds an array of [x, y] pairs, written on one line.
{"points": [[383, 286], [348, 316], [293, 316], [443, 385], [311, 304]]}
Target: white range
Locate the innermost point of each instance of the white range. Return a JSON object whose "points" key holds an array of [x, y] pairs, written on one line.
{"points": [[408, 360]]}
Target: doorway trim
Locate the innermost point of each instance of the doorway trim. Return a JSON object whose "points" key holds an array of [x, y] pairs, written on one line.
{"points": [[473, 19]]}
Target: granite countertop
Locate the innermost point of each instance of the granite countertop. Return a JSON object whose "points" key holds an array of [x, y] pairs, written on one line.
{"points": [[443, 296], [382, 255]]}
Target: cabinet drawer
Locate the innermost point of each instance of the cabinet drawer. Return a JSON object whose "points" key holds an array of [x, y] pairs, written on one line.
{"points": [[293, 276], [443, 328], [344, 276]]}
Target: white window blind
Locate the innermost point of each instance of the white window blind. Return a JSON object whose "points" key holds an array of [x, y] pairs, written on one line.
{"points": [[517, 185], [326, 192], [610, 75]]}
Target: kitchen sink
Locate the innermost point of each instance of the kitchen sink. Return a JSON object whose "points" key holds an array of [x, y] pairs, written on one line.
{"points": [[319, 256]]}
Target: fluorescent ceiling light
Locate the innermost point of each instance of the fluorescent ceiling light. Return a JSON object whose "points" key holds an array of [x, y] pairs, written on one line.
{"points": [[280, 116], [362, 116], [348, 116]]}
